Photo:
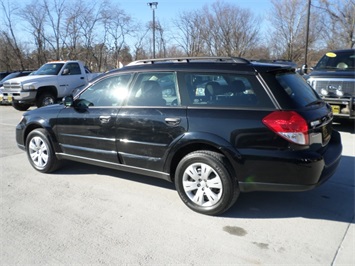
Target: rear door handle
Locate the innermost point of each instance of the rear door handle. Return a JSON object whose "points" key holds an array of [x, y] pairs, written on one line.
{"points": [[173, 121], [104, 119]]}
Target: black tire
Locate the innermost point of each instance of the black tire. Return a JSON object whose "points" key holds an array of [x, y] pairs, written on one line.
{"points": [[45, 98], [193, 182], [40, 152], [20, 106]]}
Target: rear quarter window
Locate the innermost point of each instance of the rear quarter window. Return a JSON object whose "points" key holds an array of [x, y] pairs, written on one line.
{"points": [[290, 89], [297, 89]]}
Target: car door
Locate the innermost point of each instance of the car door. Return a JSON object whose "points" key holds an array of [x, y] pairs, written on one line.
{"points": [[87, 129], [151, 122], [71, 78]]}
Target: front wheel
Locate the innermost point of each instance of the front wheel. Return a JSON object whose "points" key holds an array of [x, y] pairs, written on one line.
{"points": [[40, 152], [204, 182], [45, 99], [20, 106]]}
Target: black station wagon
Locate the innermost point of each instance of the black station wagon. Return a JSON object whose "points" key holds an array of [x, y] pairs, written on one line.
{"points": [[213, 126]]}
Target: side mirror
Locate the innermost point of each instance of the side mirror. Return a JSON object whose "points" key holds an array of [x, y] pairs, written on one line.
{"points": [[66, 72], [68, 101]]}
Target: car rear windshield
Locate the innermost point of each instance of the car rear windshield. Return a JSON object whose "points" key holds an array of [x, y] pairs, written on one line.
{"points": [[297, 89]]}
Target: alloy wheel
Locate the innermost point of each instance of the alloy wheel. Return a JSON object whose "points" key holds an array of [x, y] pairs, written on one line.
{"points": [[38, 151]]}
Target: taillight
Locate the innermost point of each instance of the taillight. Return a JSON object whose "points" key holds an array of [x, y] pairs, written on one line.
{"points": [[289, 125]]}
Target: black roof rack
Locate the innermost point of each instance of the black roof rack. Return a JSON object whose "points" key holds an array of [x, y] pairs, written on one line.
{"points": [[190, 59]]}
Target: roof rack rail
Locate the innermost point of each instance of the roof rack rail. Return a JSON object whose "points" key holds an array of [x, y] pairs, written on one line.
{"points": [[189, 59]]}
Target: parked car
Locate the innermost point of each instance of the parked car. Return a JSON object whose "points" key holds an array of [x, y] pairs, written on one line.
{"points": [[334, 80], [50, 83], [8, 100], [262, 128], [4, 74]]}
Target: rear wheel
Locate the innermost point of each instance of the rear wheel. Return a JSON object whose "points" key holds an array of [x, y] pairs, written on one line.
{"points": [[40, 152], [20, 106], [45, 99], [204, 182]]}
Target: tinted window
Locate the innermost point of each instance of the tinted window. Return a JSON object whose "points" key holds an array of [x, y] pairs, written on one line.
{"points": [[109, 91], [155, 89], [73, 69], [297, 89], [221, 89]]}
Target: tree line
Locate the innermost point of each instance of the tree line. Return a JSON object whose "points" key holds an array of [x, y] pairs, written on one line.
{"points": [[103, 35]]}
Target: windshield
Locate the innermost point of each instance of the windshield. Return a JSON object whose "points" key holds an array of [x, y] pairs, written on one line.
{"points": [[49, 69], [342, 60]]}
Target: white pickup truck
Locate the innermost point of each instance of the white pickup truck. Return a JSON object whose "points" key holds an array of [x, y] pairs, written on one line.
{"points": [[50, 82]]}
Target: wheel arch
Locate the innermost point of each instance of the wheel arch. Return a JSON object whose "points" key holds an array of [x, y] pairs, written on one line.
{"points": [[201, 141], [47, 89], [53, 140]]}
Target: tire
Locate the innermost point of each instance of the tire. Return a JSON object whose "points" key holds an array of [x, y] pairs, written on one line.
{"points": [[204, 183], [45, 99], [40, 152], [20, 106]]}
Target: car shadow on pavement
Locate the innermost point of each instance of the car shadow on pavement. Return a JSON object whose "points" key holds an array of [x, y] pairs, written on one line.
{"points": [[334, 200]]}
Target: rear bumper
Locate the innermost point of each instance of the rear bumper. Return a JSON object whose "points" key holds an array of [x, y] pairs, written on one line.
{"points": [[289, 171]]}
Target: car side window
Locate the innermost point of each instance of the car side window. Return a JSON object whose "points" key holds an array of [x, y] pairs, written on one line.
{"points": [[155, 89], [73, 69], [221, 89], [110, 91]]}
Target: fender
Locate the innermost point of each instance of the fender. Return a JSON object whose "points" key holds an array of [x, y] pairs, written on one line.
{"points": [[188, 142], [40, 121]]}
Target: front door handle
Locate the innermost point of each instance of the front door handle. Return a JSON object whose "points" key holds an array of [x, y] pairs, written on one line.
{"points": [[173, 121], [104, 119]]}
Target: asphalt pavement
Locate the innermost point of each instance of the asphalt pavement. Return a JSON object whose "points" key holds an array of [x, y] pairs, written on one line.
{"points": [[85, 215]]}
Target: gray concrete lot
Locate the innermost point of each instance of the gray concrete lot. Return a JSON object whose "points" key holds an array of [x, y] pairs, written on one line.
{"points": [[87, 215]]}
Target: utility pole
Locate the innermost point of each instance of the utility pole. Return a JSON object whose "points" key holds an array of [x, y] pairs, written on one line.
{"points": [[153, 6], [307, 36]]}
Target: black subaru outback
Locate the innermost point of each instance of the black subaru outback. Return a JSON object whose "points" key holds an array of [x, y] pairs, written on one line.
{"points": [[213, 126]]}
